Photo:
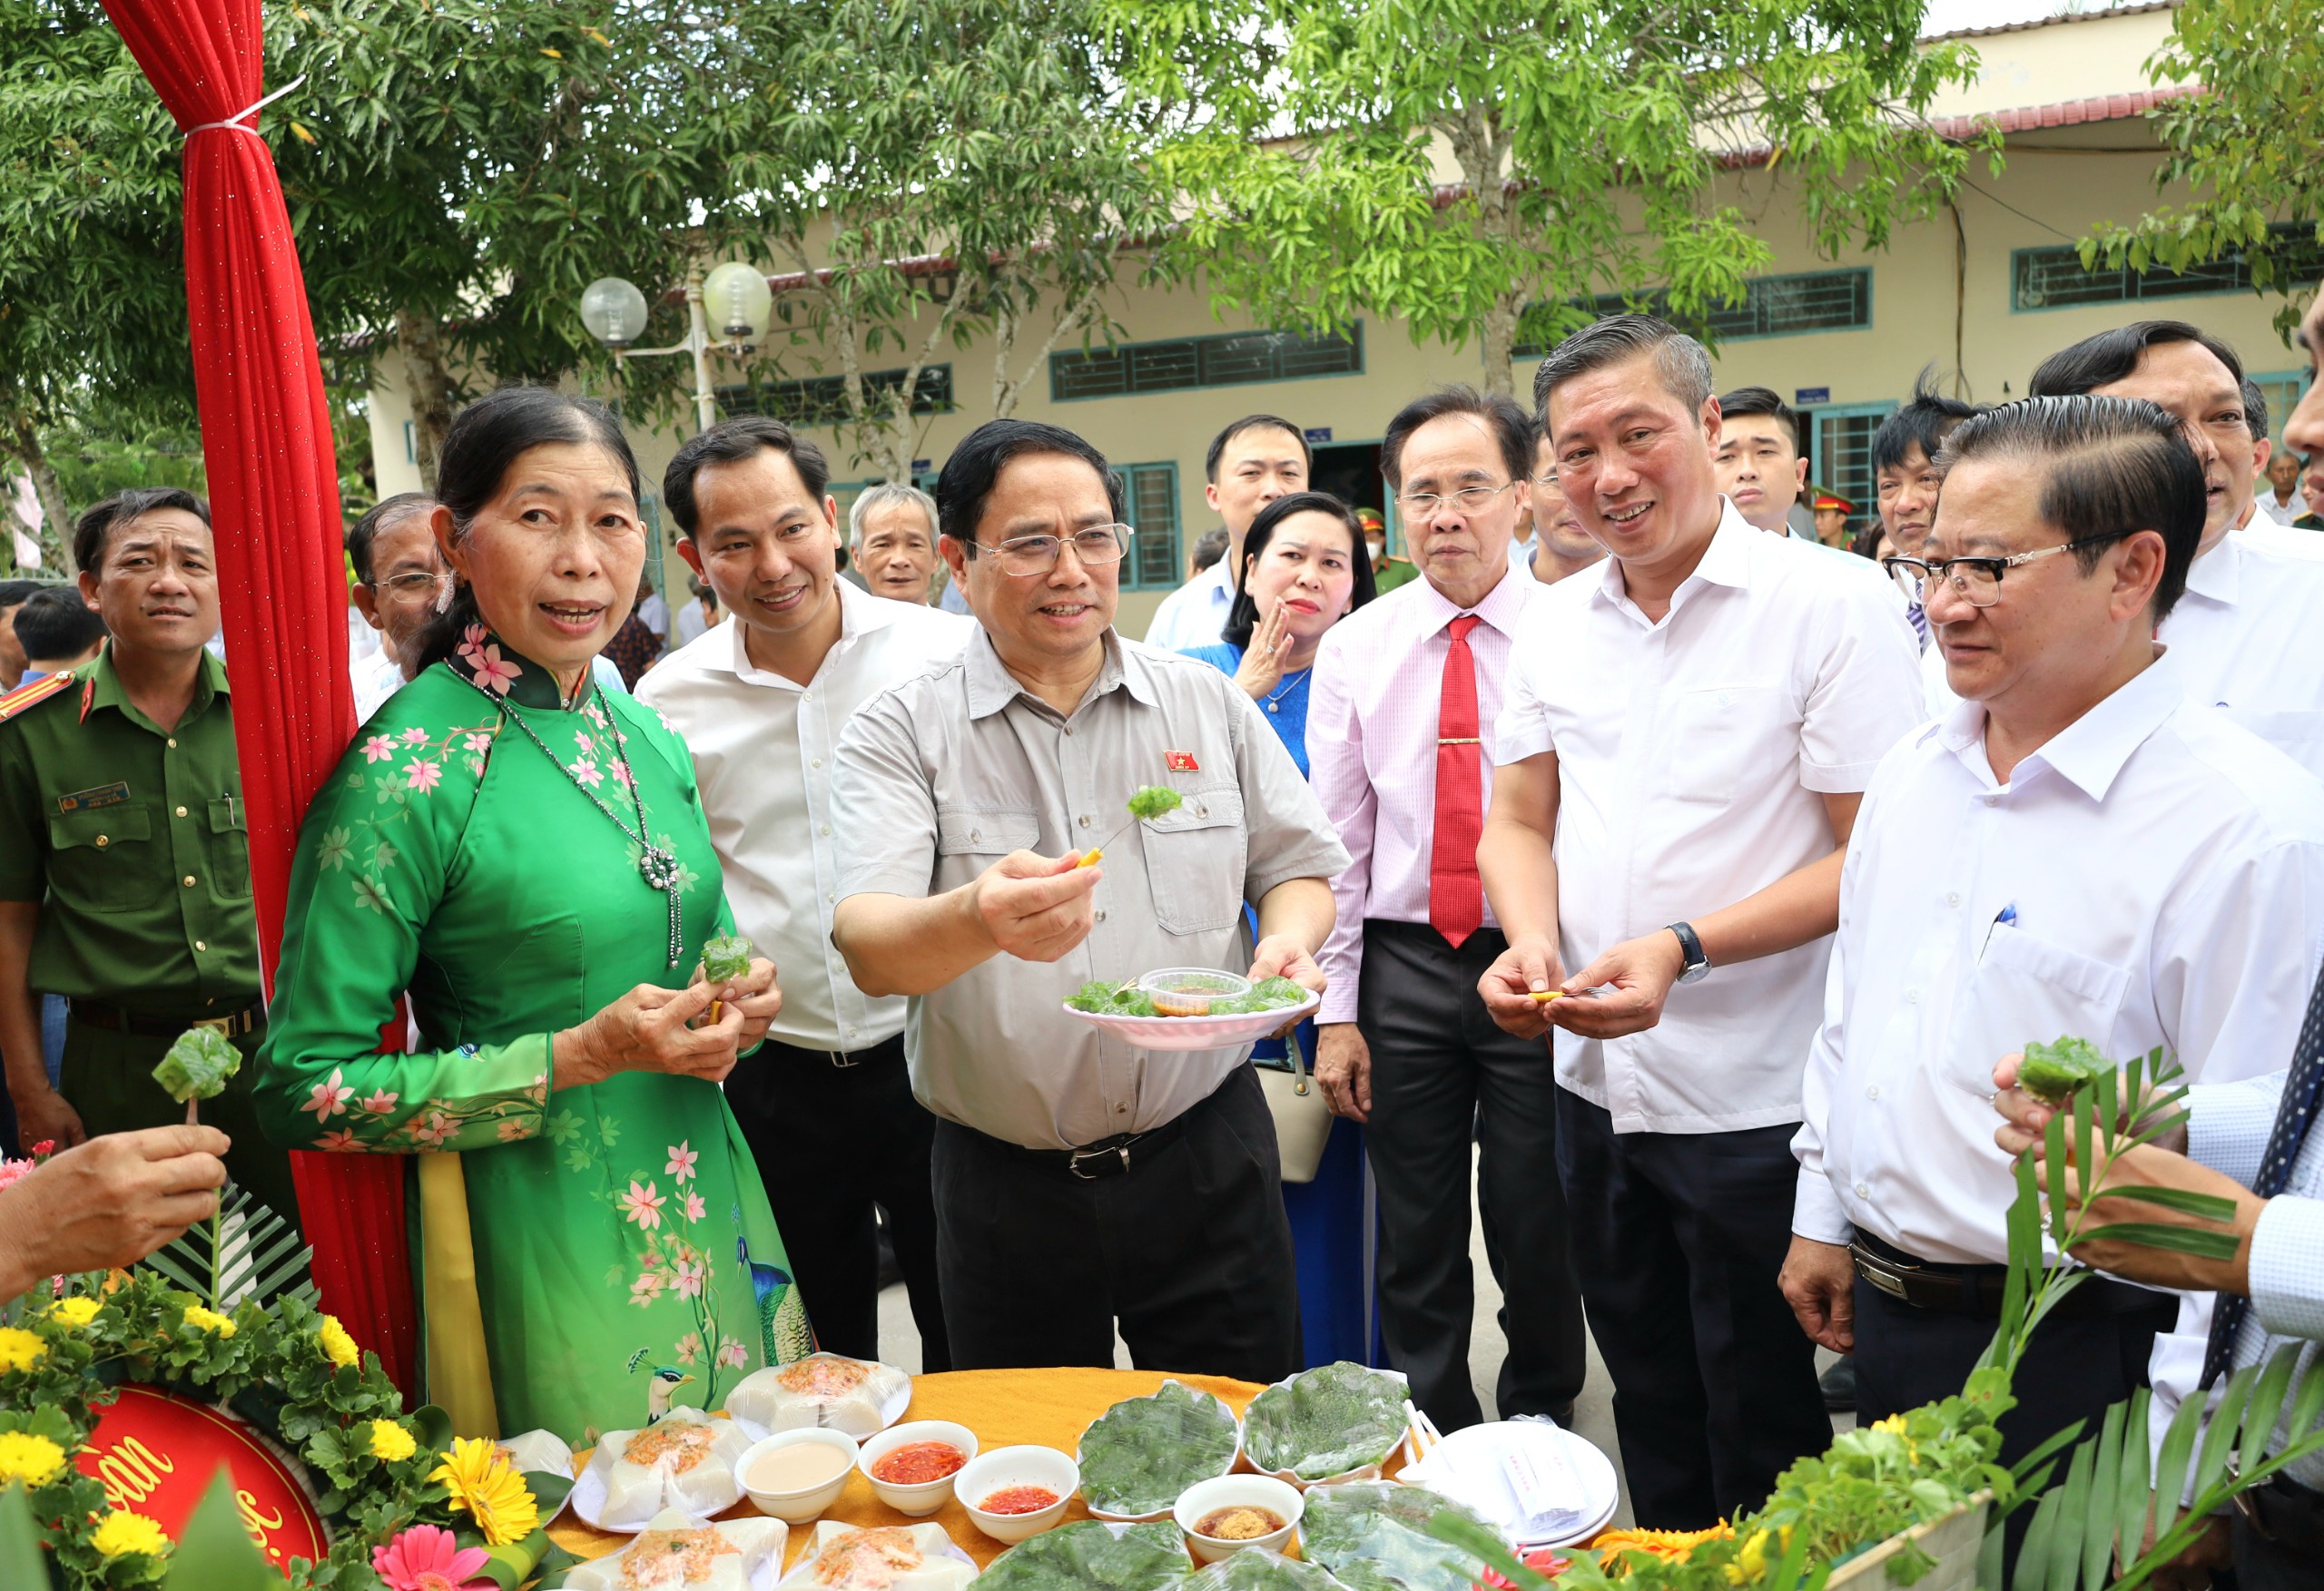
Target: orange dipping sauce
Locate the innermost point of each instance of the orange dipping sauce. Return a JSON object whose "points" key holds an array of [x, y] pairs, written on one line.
{"points": [[1018, 1499], [918, 1463]]}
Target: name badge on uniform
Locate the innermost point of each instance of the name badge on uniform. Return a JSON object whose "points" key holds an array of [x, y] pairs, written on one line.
{"points": [[1181, 762], [102, 795]]}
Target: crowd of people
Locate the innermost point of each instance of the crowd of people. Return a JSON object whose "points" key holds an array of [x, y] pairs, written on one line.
{"points": [[1692, 874]]}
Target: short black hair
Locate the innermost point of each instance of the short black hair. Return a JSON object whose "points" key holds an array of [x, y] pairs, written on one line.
{"points": [[1926, 419], [2255, 409], [2111, 464], [480, 446], [55, 622], [1210, 547], [13, 592], [1760, 401], [366, 530], [1242, 617], [1511, 428], [970, 475], [99, 520], [1682, 363], [2113, 356], [731, 442], [1235, 428]]}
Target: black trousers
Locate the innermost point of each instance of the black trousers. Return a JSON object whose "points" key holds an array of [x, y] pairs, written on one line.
{"points": [[1680, 1237], [2288, 1553], [1188, 1249], [831, 1141], [1905, 1357], [1445, 1077]]}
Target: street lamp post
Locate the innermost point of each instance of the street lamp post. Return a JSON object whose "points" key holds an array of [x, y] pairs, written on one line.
{"points": [[735, 294]]}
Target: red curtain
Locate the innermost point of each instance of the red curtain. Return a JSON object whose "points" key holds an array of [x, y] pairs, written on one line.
{"points": [[274, 496]]}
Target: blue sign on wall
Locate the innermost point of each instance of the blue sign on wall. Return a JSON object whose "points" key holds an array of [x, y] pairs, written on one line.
{"points": [[1809, 396], [1318, 434]]}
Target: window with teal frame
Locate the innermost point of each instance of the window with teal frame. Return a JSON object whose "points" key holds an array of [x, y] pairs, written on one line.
{"points": [[1840, 454], [2052, 277], [1150, 501], [2282, 389]]}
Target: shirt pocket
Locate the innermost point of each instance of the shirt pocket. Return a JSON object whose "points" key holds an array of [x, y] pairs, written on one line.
{"points": [[228, 845], [104, 858], [1722, 739], [2025, 989], [1196, 861], [985, 831]]}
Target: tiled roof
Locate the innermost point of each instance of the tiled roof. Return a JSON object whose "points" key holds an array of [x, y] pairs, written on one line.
{"points": [[2058, 20], [2104, 107]]}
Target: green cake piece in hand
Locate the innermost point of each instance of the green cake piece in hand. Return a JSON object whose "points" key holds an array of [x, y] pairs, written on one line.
{"points": [[725, 957], [1154, 801], [2052, 1072], [1093, 996], [1279, 993], [198, 1065]]}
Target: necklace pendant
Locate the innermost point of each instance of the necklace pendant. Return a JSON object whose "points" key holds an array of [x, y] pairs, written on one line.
{"points": [[1273, 708], [658, 867]]}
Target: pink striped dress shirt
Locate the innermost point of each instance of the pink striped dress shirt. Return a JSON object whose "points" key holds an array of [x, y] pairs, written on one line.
{"points": [[1372, 751]]}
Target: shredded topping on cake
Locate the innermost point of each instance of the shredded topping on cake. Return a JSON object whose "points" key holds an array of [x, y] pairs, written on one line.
{"points": [[821, 1378], [683, 1445], [660, 1560]]}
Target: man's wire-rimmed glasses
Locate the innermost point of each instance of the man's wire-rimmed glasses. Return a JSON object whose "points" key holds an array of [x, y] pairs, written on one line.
{"points": [[1976, 580], [1036, 554], [1427, 505]]}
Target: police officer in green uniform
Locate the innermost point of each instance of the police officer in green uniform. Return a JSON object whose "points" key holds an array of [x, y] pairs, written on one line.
{"points": [[124, 863]]}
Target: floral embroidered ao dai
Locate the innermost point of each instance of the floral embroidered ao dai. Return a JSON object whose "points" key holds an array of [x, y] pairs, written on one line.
{"points": [[623, 1253]]}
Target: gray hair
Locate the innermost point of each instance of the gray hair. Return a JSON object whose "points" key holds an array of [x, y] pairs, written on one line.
{"points": [[1678, 359], [879, 497]]}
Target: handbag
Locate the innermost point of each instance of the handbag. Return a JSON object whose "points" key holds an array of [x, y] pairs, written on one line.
{"points": [[1303, 1122]]}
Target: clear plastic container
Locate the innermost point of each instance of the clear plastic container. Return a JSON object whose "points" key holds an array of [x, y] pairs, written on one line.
{"points": [[1190, 991]]}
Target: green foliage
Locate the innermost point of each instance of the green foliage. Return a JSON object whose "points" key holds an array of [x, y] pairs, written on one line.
{"points": [[1594, 144], [2050, 1072], [2251, 146], [20, 1562], [989, 134], [215, 1554], [243, 1248]]}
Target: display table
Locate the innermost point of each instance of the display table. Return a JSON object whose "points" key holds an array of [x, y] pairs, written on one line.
{"points": [[1046, 1408]]}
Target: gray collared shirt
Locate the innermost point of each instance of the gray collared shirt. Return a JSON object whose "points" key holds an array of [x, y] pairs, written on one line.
{"points": [[942, 776]]}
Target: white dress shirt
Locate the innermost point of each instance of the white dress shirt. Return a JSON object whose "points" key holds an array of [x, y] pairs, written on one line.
{"points": [[1372, 710], [2152, 875], [1196, 614], [2244, 636], [2259, 531], [763, 752], [376, 677], [1693, 756], [655, 614], [690, 623], [2281, 513]]}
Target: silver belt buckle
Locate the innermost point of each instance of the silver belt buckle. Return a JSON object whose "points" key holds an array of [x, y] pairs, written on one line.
{"points": [[1074, 1166], [840, 1057], [1885, 1278]]}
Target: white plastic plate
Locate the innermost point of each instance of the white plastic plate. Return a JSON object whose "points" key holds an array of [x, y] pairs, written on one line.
{"points": [[1193, 1033]]}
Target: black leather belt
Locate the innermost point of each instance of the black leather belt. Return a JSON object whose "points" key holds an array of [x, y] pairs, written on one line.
{"points": [[1107, 1156], [2285, 1512], [1977, 1289], [119, 1019], [842, 1058]]}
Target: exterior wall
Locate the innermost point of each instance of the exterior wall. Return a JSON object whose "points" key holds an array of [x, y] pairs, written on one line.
{"points": [[1939, 286]]}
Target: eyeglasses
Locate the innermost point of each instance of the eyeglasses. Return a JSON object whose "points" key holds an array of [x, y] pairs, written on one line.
{"points": [[1425, 506], [1977, 580], [1036, 554], [409, 587]]}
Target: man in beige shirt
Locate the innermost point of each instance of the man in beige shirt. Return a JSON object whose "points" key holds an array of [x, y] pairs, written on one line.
{"points": [[1082, 1185]]}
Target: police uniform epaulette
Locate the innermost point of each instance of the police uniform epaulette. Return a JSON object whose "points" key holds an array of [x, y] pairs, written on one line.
{"points": [[33, 694]]}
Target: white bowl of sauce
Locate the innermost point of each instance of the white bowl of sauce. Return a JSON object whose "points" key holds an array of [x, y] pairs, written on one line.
{"points": [[795, 1474]]}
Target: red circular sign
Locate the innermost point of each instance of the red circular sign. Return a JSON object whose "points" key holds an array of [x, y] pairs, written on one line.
{"points": [[156, 1455]]}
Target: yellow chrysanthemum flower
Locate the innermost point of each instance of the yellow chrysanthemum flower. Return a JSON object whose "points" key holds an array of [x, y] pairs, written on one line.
{"points": [[20, 1350], [1671, 1545], [120, 1533], [336, 1345], [392, 1441], [35, 1461], [208, 1321], [488, 1486], [74, 1311], [1893, 1425]]}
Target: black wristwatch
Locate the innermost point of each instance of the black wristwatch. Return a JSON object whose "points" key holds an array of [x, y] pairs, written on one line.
{"points": [[1698, 963]]}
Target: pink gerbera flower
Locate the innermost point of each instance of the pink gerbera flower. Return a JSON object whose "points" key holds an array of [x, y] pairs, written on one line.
{"points": [[428, 1557]]}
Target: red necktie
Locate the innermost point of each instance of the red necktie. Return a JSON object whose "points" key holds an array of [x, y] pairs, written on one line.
{"points": [[1456, 896]]}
